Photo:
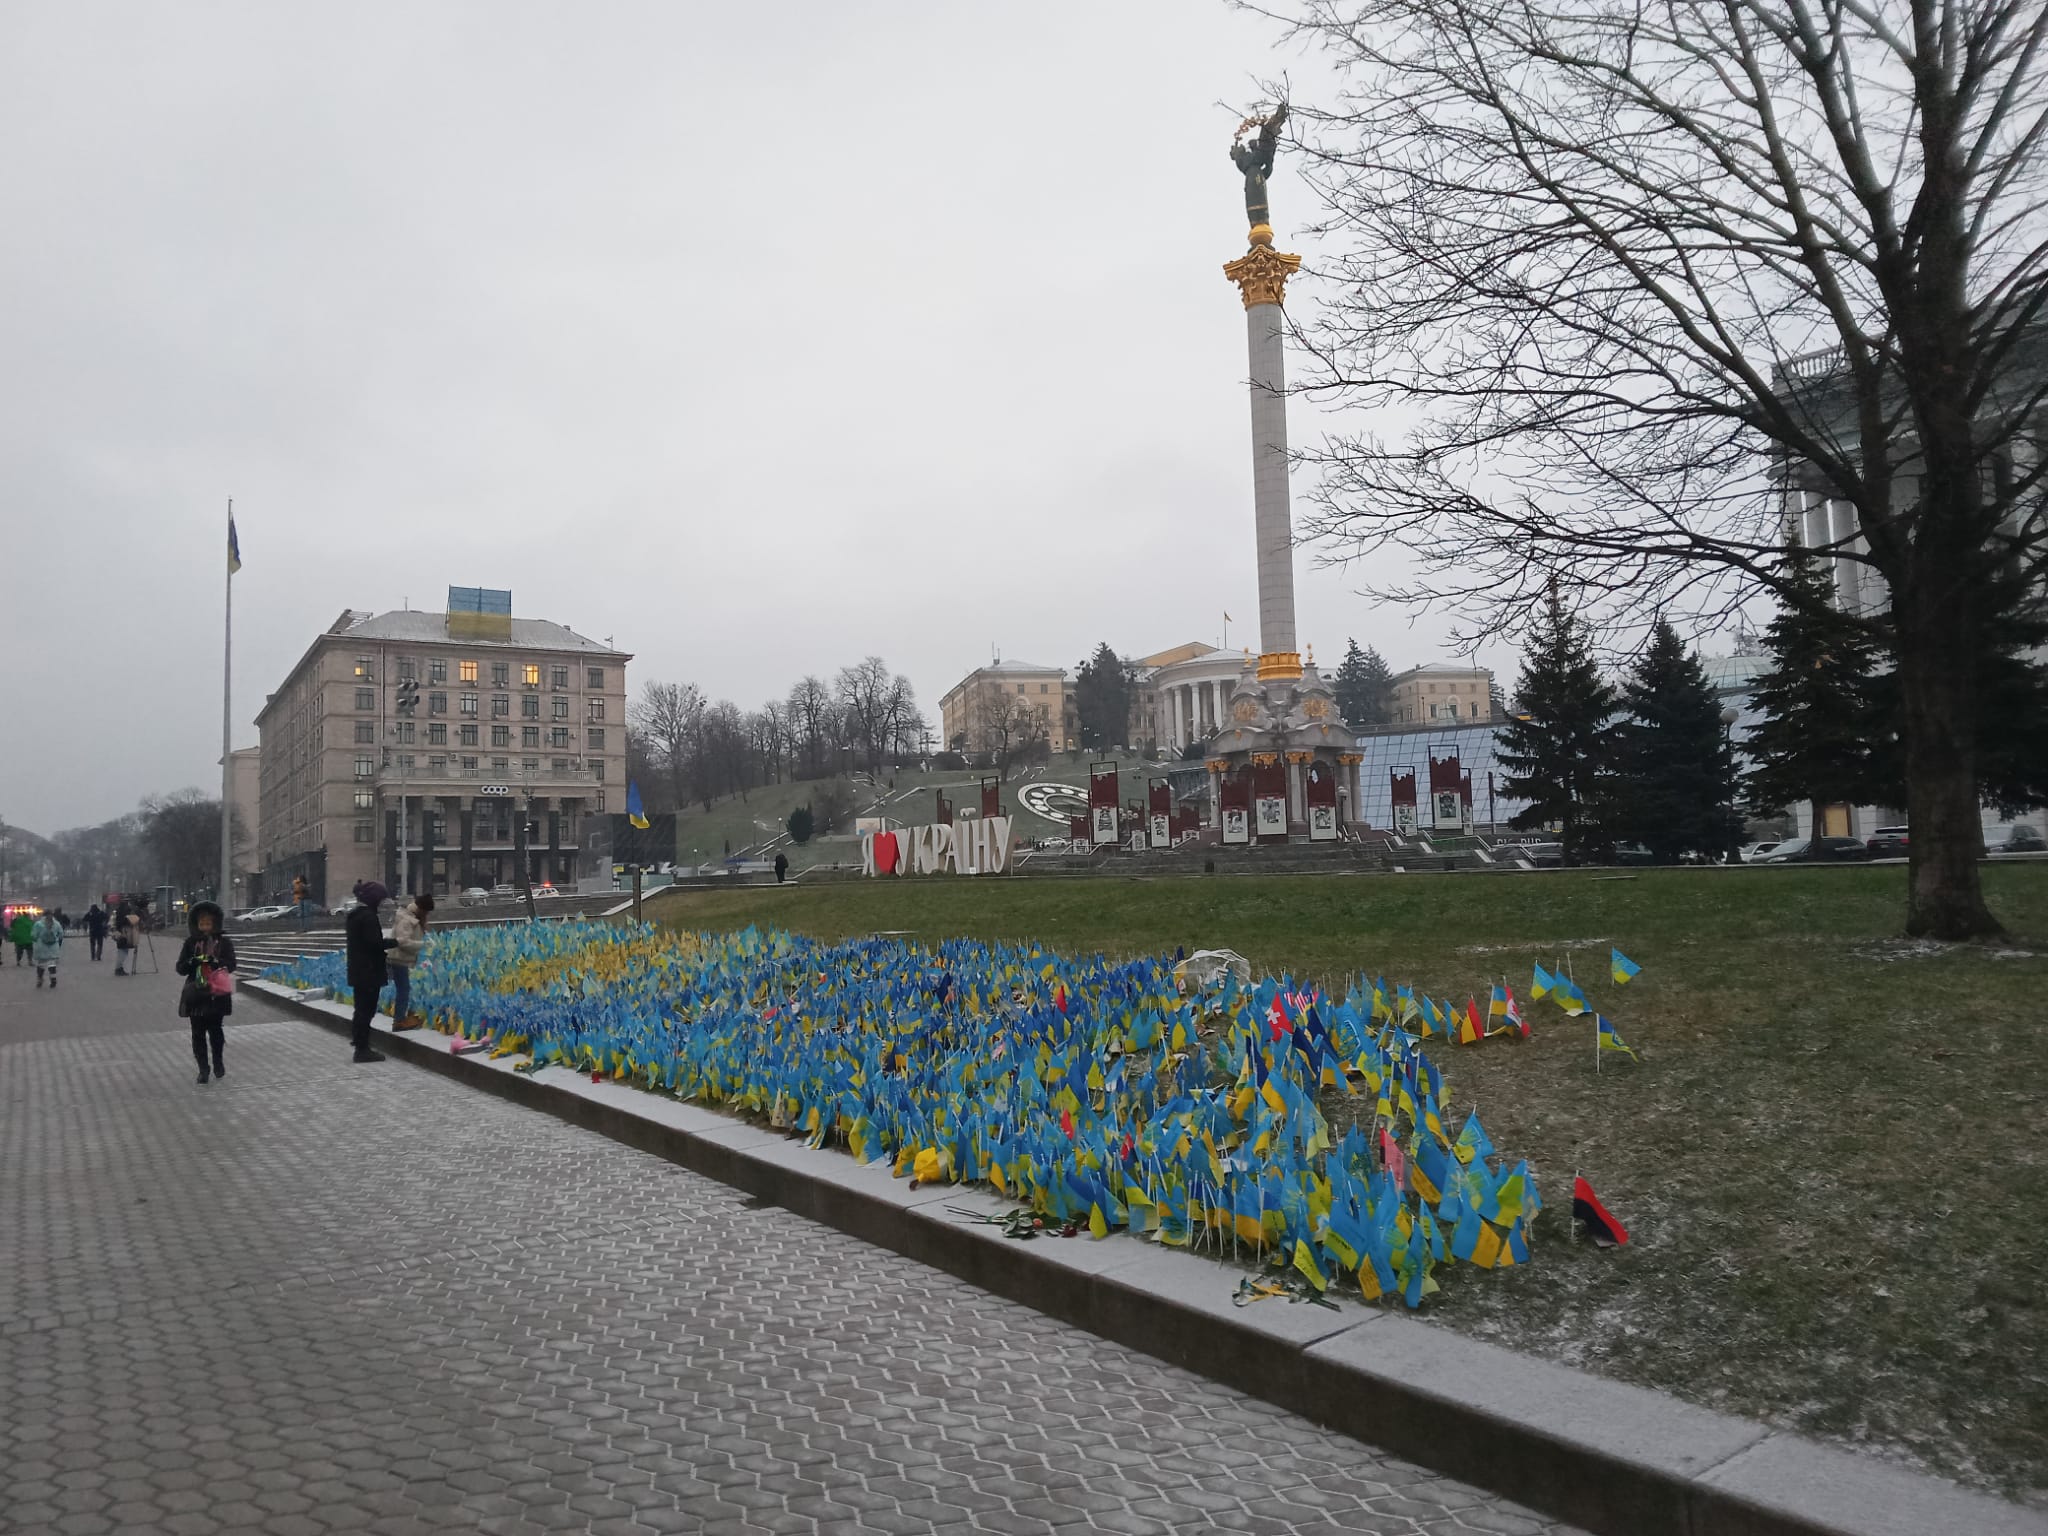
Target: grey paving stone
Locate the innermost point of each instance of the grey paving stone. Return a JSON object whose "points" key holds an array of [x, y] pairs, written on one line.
{"points": [[339, 1301]]}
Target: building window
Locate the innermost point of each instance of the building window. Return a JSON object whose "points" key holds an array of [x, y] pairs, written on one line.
{"points": [[529, 675], [437, 671], [529, 735], [561, 709], [597, 769], [469, 735], [437, 765], [561, 767], [596, 709], [364, 670], [408, 669], [405, 762], [469, 764], [405, 732], [501, 673], [559, 736], [466, 671], [529, 707], [366, 698], [366, 732], [365, 766], [558, 678], [501, 735], [437, 735], [501, 765], [1020, 687], [595, 739], [437, 703], [501, 707], [365, 799], [366, 832], [594, 678], [530, 764], [468, 703]]}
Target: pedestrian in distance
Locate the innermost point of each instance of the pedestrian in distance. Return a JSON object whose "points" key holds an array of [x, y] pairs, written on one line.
{"points": [[408, 933], [125, 925], [207, 962], [781, 867], [367, 968], [49, 944], [23, 932], [96, 928]]}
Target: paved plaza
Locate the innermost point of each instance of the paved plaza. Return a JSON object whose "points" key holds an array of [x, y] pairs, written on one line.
{"points": [[317, 1297]]}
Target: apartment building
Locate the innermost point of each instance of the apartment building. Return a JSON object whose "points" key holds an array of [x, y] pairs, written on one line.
{"points": [[516, 744], [1441, 692], [973, 708]]}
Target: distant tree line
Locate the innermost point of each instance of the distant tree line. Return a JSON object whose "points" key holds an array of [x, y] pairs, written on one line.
{"points": [[683, 749]]}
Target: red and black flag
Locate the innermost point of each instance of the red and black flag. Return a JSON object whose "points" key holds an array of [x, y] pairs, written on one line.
{"points": [[1605, 1231]]}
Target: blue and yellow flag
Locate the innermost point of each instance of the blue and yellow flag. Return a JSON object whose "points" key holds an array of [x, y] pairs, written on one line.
{"points": [[234, 548], [635, 812], [1623, 969], [1610, 1041]]}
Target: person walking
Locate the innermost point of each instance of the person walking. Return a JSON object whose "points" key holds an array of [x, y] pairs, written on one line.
{"points": [[781, 867], [408, 933], [126, 923], [367, 970], [23, 932], [49, 944], [96, 929], [207, 962]]}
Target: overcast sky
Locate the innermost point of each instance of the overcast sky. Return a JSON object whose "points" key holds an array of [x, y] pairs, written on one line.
{"points": [[758, 338]]}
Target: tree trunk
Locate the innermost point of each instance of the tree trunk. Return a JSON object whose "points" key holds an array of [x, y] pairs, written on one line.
{"points": [[1945, 892]]}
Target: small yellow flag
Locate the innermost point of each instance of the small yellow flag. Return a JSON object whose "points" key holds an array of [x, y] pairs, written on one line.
{"points": [[1097, 1227]]}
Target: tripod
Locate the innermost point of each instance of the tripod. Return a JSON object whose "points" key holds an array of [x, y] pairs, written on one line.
{"points": [[144, 940]]}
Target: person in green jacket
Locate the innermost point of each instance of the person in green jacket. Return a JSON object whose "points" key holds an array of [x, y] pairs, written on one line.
{"points": [[23, 931]]}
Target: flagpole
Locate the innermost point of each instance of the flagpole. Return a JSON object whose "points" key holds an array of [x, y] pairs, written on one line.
{"points": [[226, 893]]}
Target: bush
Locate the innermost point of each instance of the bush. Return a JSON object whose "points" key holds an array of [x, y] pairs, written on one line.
{"points": [[800, 824]]}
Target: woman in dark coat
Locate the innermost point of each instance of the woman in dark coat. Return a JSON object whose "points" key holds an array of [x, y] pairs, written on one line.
{"points": [[367, 969], [206, 951]]}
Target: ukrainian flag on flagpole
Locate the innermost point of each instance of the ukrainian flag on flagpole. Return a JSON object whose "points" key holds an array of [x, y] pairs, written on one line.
{"points": [[1621, 967], [234, 547], [635, 812], [1610, 1041]]}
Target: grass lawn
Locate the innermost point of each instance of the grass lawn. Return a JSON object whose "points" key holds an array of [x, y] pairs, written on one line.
{"points": [[1830, 1157]]}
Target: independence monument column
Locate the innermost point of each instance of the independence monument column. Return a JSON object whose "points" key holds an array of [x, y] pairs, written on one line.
{"points": [[1261, 276]]}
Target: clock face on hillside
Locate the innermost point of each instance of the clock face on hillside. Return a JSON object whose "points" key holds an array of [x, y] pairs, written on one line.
{"points": [[1246, 710]]}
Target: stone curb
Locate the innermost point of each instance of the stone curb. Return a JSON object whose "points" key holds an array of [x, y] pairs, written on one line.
{"points": [[1616, 1459]]}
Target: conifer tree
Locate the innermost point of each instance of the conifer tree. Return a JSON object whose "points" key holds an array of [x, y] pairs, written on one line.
{"points": [[1362, 686], [1821, 734], [1557, 758], [1674, 775]]}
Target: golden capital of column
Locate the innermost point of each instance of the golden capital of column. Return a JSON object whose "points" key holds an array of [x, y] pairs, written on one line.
{"points": [[1265, 759], [1301, 757], [1217, 764], [1284, 665], [1261, 273], [1350, 759]]}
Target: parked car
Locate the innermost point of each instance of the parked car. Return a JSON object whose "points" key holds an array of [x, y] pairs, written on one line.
{"points": [[1633, 853], [1755, 852], [1833, 850], [504, 888], [262, 914], [475, 896], [346, 905], [2019, 838], [1887, 843]]}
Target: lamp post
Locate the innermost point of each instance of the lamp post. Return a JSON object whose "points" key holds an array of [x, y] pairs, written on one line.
{"points": [[1729, 715]]}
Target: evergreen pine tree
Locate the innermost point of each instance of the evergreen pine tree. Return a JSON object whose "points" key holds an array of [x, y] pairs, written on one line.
{"points": [[1102, 699], [1820, 738], [1361, 685], [1557, 759], [1674, 775]]}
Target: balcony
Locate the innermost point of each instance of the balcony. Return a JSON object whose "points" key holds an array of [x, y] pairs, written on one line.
{"points": [[423, 780]]}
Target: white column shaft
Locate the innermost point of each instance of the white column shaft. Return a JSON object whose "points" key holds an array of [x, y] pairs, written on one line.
{"points": [[1265, 326]]}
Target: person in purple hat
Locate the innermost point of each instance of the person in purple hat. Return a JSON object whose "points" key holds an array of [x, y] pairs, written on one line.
{"points": [[367, 969]]}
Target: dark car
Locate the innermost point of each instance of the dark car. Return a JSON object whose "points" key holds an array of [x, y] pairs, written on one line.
{"points": [[1542, 855], [1834, 850], [1633, 853], [2021, 839], [1888, 843]]}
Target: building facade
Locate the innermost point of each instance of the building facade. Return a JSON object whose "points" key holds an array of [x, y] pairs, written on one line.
{"points": [[972, 713], [1441, 693], [517, 742], [246, 785], [1184, 693]]}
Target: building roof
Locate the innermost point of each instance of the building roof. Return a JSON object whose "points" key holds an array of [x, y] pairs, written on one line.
{"points": [[1443, 669], [1188, 652], [1016, 666], [413, 625]]}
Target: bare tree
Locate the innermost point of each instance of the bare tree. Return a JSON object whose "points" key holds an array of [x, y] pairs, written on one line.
{"points": [[867, 696], [668, 718], [771, 739], [1640, 276], [181, 830], [810, 710], [1010, 726], [725, 752]]}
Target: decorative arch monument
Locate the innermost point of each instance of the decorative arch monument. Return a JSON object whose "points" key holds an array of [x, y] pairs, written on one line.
{"points": [[1283, 764]]}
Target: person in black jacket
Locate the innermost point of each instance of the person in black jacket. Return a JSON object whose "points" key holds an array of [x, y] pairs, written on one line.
{"points": [[206, 951], [96, 928], [367, 970]]}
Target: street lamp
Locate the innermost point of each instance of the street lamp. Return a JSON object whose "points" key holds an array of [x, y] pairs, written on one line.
{"points": [[1729, 715]]}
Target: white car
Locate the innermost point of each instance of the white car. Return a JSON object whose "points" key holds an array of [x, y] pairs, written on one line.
{"points": [[1754, 853], [504, 890], [262, 914], [475, 896]]}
